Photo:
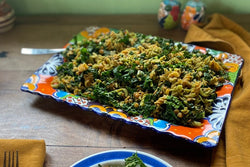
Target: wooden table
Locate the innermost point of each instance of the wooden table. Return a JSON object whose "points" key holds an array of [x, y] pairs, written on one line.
{"points": [[71, 133]]}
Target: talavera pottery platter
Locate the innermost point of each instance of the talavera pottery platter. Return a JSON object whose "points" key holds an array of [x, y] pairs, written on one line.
{"points": [[207, 135]]}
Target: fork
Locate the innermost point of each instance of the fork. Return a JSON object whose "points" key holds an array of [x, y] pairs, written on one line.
{"points": [[10, 159], [35, 51]]}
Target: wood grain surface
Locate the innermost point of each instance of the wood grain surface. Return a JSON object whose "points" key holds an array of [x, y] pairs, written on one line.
{"points": [[69, 132]]}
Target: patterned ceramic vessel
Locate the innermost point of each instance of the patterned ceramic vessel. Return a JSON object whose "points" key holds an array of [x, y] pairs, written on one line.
{"points": [[207, 135], [169, 14], [7, 17], [193, 13]]}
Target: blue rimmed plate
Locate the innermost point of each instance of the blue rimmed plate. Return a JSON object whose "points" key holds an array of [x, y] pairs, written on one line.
{"points": [[115, 158]]}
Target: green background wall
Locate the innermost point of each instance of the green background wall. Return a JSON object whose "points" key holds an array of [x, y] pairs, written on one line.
{"points": [[33, 7]]}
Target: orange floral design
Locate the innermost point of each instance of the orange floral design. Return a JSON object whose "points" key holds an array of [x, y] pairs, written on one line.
{"points": [[32, 85], [44, 87], [101, 108], [190, 132], [201, 49], [225, 89], [233, 67], [222, 56], [98, 32]]}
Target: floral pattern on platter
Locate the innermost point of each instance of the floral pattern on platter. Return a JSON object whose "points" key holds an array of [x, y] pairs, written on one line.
{"points": [[220, 108], [207, 135], [49, 68], [226, 57], [209, 139], [31, 83], [71, 99]]}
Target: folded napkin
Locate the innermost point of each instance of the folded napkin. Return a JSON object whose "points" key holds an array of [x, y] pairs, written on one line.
{"points": [[31, 153], [221, 33]]}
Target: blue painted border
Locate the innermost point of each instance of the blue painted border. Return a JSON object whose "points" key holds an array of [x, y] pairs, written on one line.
{"points": [[105, 156]]}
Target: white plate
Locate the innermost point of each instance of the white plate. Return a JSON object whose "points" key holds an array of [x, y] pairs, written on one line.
{"points": [[116, 157]]}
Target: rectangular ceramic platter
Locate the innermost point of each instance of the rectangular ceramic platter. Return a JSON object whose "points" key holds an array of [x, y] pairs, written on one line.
{"points": [[207, 135]]}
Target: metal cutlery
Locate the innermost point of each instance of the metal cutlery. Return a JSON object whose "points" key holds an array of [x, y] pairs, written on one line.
{"points": [[35, 51], [10, 159]]}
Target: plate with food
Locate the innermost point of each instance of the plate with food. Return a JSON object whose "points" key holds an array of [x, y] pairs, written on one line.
{"points": [[171, 87], [121, 158]]}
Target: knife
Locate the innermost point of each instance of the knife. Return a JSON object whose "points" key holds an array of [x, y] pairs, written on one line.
{"points": [[36, 51]]}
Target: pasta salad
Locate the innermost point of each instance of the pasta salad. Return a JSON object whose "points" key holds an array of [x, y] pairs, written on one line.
{"points": [[143, 75]]}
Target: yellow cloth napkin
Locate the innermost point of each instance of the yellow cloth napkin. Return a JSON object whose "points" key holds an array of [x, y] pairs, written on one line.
{"points": [[223, 34], [31, 153]]}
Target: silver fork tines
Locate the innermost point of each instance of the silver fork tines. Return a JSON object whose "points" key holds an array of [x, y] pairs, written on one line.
{"points": [[10, 159]]}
